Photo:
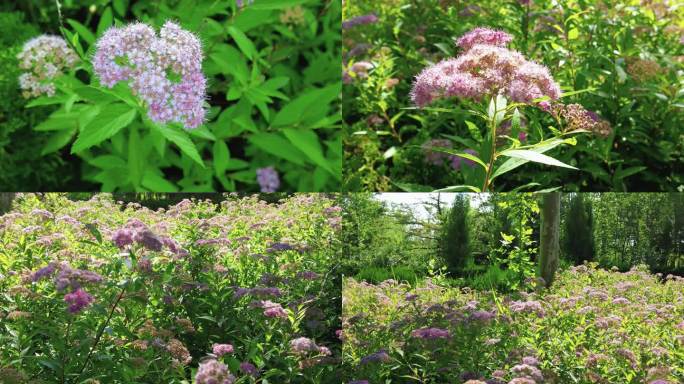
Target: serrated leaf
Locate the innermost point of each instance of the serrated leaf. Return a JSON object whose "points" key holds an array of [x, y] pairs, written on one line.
{"points": [[308, 143], [182, 140], [243, 42], [57, 141], [156, 182], [106, 20], [277, 146], [82, 30], [221, 156], [105, 125]]}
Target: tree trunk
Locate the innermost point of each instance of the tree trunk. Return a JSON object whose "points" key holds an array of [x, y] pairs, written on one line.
{"points": [[6, 202], [549, 247]]}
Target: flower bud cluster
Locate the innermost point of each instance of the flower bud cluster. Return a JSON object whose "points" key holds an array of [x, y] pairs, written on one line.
{"points": [[44, 58]]}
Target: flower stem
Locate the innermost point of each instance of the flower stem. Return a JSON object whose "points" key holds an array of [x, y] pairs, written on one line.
{"points": [[492, 156], [101, 331]]}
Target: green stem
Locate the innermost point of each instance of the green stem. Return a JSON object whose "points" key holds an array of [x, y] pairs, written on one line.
{"points": [[101, 331], [492, 156]]}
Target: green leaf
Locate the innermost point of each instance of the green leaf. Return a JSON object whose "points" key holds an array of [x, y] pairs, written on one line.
{"points": [[45, 100], [106, 20], [461, 154], [514, 163], [153, 181], [408, 187], [182, 140], [623, 173], [459, 188], [243, 42], [221, 156], [57, 141], [120, 7], [136, 156], [310, 106], [278, 146], [276, 4], [534, 157], [307, 142], [107, 162], [474, 131], [105, 125], [56, 124], [82, 31]]}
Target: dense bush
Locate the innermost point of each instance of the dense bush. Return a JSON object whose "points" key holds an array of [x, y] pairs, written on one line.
{"points": [[272, 108], [623, 57], [592, 326], [98, 291]]}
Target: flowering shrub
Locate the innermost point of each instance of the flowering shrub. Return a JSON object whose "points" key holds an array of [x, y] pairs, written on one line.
{"points": [[592, 326], [174, 96], [609, 69], [101, 291]]}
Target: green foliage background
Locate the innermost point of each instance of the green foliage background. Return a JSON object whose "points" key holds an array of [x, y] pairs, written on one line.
{"points": [[273, 99], [585, 44]]}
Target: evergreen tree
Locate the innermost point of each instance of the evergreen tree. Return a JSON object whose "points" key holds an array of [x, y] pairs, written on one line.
{"points": [[579, 230], [454, 237]]}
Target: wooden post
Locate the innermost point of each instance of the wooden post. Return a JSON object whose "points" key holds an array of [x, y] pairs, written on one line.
{"points": [[549, 247]]}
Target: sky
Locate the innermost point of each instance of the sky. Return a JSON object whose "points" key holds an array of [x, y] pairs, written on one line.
{"points": [[415, 200]]}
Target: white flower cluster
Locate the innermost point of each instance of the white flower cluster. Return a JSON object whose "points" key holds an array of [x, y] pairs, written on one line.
{"points": [[44, 58]]}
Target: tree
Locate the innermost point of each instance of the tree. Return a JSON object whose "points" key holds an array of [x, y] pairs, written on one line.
{"points": [[549, 246], [454, 237], [6, 202], [578, 243]]}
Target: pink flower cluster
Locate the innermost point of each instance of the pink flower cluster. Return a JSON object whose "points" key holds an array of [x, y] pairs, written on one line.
{"points": [[213, 372], [78, 300], [165, 71], [485, 68], [44, 57]]}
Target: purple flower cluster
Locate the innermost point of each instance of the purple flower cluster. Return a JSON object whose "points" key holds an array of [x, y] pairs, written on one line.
{"points": [[249, 369], [257, 291], [213, 372], [67, 277], [484, 36], [123, 237], [359, 20], [380, 356], [165, 71], [271, 309], [304, 345], [222, 349], [486, 68], [138, 232], [268, 179], [430, 333], [78, 300], [528, 307], [45, 58]]}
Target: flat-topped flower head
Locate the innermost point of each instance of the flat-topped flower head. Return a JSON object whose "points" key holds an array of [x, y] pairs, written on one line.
{"points": [[45, 58], [213, 372], [164, 71], [485, 69], [484, 36]]}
